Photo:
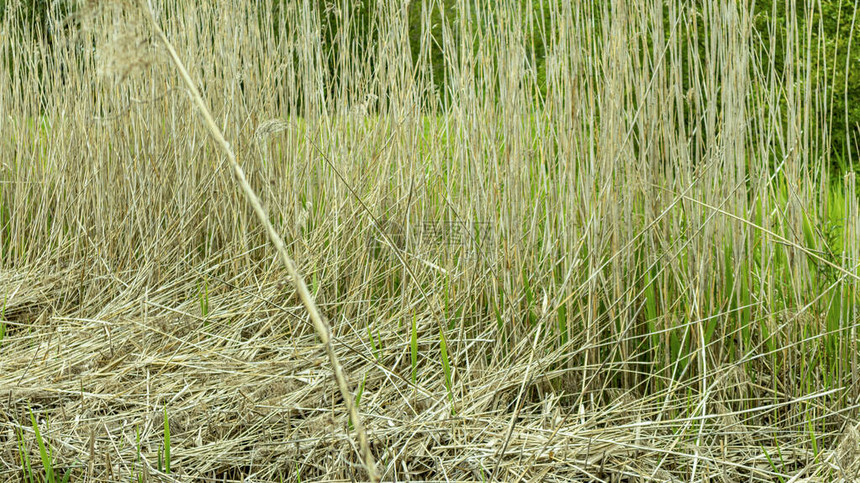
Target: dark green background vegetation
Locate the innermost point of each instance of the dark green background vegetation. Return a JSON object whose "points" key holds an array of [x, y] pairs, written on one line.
{"points": [[829, 28]]}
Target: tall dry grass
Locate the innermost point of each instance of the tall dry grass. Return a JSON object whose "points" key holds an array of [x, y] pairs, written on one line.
{"points": [[629, 261]]}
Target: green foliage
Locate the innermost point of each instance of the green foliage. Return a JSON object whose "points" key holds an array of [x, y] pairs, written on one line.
{"points": [[841, 43], [350, 33], [24, 457], [358, 398], [164, 457], [3, 321], [40, 18], [203, 296], [444, 11], [44, 451], [828, 45], [137, 459], [46, 454]]}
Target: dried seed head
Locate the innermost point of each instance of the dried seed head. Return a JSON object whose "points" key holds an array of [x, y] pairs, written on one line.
{"points": [[126, 46], [126, 53], [269, 127]]}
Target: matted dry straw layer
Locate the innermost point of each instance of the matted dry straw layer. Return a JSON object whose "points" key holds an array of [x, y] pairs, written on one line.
{"points": [[249, 395], [603, 246]]}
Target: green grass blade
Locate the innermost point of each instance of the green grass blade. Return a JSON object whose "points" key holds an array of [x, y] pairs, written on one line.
{"points": [[3, 322], [25, 458], [772, 466], [43, 451], [358, 397], [166, 443]]}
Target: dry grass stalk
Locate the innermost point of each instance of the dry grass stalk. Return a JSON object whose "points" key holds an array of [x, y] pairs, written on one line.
{"points": [[321, 326]]}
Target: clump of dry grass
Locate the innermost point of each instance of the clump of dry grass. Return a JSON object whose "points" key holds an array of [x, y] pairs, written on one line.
{"points": [[621, 262]]}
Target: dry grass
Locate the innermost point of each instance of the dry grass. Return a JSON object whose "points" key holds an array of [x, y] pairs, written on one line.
{"points": [[629, 263]]}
